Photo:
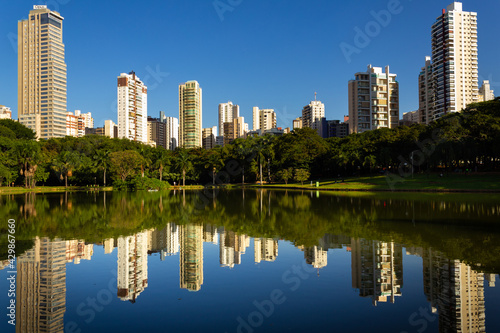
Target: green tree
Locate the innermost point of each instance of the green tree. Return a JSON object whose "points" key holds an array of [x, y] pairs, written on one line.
{"points": [[20, 131], [285, 175], [28, 155], [215, 162], [301, 175], [125, 163]]}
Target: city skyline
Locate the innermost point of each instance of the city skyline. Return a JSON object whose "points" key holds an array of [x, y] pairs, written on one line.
{"points": [[160, 77]]}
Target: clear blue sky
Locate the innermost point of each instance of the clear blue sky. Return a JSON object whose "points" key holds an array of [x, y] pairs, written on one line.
{"points": [[271, 54]]}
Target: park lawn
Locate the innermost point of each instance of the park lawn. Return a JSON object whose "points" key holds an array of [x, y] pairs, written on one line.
{"points": [[433, 182]]}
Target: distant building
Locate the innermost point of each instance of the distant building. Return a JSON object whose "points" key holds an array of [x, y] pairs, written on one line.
{"points": [[157, 132], [132, 108], [373, 100], [263, 119], [297, 123], [410, 118], [190, 115], [312, 115], [219, 140], [334, 129], [5, 112], [485, 92], [110, 129], [227, 112], [426, 93], [209, 135], [265, 249], [234, 130], [77, 122]]}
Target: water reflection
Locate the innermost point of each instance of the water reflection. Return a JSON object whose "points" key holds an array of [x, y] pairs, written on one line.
{"points": [[453, 287]]}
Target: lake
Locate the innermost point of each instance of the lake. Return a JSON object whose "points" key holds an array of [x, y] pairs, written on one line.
{"points": [[251, 261]]}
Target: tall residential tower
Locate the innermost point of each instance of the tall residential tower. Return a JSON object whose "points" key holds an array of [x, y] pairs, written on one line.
{"points": [[227, 112], [42, 73], [454, 60], [190, 115], [132, 108]]}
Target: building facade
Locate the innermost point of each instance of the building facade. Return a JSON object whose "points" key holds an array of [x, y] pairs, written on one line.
{"points": [[485, 92], [297, 123], [132, 108], [234, 130], [373, 100], [5, 112], [264, 119], [42, 73], [208, 136], [454, 61], [312, 115], [227, 112], [426, 93], [77, 122], [190, 115]]}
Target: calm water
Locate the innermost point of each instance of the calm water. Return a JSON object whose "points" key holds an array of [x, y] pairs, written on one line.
{"points": [[253, 261]]}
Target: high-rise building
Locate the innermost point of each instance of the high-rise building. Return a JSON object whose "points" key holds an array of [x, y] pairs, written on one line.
{"points": [[425, 93], [454, 60], [132, 266], [312, 115], [42, 73], [191, 257], [234, 130], [157, 132], [132, 108], [5, 112], [41, 287], [412, 117], [227, 112], [333, 129], [208, 137], [232, 246], [297, 123], [190, 115], [316, 256], [373, 100], [264, 119], [485, 92], [172, 132]]}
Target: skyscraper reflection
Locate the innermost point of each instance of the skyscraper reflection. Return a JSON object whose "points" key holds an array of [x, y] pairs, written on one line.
{"points": [[377, 269], [132, 266], [41, 287], [191, 257], [265, 249], [232, 246], [455, 291]]}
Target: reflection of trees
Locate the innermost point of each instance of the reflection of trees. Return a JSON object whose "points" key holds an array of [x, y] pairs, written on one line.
{"points": [[291, 215]]}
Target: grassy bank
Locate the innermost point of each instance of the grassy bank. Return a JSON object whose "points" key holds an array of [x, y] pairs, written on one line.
{"points": [[51, 189], [418, 183]]}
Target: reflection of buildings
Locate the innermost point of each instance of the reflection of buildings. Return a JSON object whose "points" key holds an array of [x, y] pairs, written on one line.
{"points": [[164, 241], [77, 250], [316, 256], [232, 246], [491, 279], [109, 245], [377, 269], [132, 266], [455, 291], [191, 257], [210, 234], [41, 287], [265, 249]]}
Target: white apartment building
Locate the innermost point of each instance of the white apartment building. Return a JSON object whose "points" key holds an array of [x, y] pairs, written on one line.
{"points": [[454, 61], [312, 114], [263, 119], [5, 112], [373, 100], [132, 108], [227, 112], [172, 132], [485, 92]]}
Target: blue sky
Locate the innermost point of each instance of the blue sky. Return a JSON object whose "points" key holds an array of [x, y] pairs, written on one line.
{"points": [[271, 54]]}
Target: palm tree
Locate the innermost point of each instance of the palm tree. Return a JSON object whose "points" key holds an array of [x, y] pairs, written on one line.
{"points": [[242, 151], [101, 161], [65, 163], [28, 154], [183, 162], [215, 162]]}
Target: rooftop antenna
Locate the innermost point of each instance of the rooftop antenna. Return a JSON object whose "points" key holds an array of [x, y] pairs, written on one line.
{"points": [[315, 93]]}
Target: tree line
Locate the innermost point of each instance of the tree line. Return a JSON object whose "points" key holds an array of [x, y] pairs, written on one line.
{"points": [[469, 140]]}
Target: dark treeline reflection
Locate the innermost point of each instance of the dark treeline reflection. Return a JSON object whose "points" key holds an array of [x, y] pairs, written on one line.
{"points": [[457, 237]]}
